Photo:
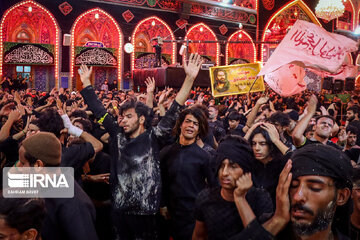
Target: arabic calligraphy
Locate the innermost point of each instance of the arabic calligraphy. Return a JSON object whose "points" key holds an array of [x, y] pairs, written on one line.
{"points": [[28, 54], [317, 46], [96, 56]]}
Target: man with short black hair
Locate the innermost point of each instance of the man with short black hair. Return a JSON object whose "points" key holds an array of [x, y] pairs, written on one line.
{"points": [[216, 211], [21, 218], [352, 119], [323, 127], [235, 127], [135, 169], [66, 218]]}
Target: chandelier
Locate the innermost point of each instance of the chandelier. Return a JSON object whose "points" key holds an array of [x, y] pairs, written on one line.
{"points": [[329, 9]]}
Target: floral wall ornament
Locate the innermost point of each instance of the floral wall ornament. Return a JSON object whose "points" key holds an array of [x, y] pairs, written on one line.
{"points": [[223, 29], [65, 8], [128, 15], [268, 4], [181, 23]]}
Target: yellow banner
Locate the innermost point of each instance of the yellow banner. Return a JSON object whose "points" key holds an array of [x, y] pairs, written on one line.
{"points": [[235, 79]]}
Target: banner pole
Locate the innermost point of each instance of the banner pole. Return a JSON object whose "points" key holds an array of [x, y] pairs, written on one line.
{"points": [[252, 85]]}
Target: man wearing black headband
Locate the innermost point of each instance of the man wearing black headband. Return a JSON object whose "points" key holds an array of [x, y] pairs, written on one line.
{"points": [[216, 211], [312, 186], [323, 127]]}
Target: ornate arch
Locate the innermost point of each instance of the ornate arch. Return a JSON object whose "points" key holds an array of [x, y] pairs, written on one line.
{"points": [[240, 50], [201, 32], [17, 14], [342, 23], [297, 10], [93, 22], [149, 28]]}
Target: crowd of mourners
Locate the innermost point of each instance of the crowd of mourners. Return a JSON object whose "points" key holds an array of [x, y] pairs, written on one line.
{"points": [[179, 164]]}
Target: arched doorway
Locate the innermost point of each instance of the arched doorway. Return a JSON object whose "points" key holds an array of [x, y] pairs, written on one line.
{"points": [[144, 53], [347, 20], [237, 53], [96, 40], [29, 44], [210, 52], [281, 22]]}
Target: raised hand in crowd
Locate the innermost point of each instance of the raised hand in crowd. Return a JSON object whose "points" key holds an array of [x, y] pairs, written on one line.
{"points": [[282, 213], [191, 68], [85, 74], [243, 185], [150, 88], [275, 137]]}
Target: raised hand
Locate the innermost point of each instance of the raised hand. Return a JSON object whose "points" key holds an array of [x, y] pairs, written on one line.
{"points": [[193, 66], [85, 74], [282, 211], [150, 84], [243, 185], [14, 115], [262, 100], [200, 98], [324, 111], [312, 103], [272, 131]]}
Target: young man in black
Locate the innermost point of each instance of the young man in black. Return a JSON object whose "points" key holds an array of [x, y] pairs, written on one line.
{"points": [[216, 212], [186, 171], [312, 187], [323, 127], [135, 169]]}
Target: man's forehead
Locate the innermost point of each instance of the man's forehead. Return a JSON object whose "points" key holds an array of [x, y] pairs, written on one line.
{"points": [[315, 179], [129, 111], [325, 119]]}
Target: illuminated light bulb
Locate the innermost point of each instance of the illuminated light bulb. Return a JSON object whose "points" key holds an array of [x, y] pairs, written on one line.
{"points": [[96, 16], [201, 29], [241, 26], [129, 48], [153, 23], [240, 35], [30, 9]]}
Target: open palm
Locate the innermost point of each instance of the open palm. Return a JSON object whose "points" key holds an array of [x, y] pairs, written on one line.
{"points": [[193, 66]]}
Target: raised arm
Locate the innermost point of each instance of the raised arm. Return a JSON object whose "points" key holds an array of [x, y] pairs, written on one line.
{"points": [[298, 133], [252, 115], [282, 213], [14, 116], [191, 69], [243, 185], [150, 88], [77, 132], [94, 104], [275, 137]]}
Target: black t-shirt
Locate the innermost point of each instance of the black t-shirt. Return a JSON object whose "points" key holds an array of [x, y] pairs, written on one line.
{"points": [[221, 217], [353, 154], [312, 141], [266, 176]]}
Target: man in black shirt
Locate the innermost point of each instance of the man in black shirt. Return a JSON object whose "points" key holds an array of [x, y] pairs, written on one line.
{"points": [[134, 147], [323, 127], [186, 171], [312, 187], [352, 118], [217, 208]]}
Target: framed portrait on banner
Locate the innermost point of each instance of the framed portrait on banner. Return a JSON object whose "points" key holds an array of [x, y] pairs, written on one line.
{"points": [[235, 79]]}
